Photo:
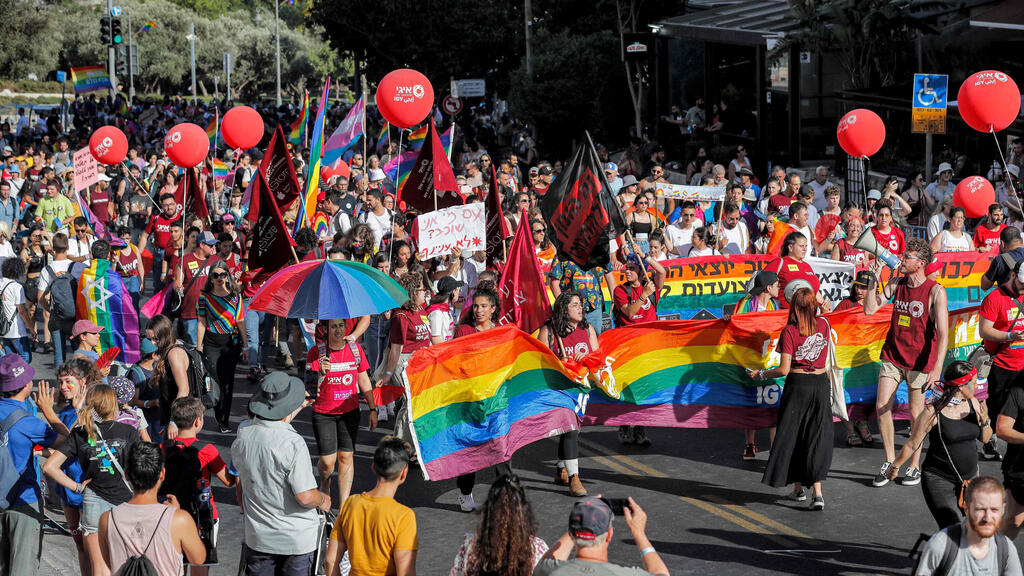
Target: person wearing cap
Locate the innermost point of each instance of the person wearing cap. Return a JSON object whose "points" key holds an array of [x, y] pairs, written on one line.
{"points": [[55, 209], [986, 236], [545, 174], [590, 534], [279, 489], [940, 220], [918, 335], [611, 173], [943, 185], [20, 527], [85, 337], [191, 277]]}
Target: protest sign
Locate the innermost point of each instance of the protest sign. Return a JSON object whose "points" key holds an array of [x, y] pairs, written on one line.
{"points": [[454, 227], [960, 275], [86, 169], [694, 193]]}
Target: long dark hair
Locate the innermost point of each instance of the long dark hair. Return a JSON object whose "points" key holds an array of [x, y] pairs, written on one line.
{"points": [[163, 330], [503, 543], [495, 302], [560, 314], [956, 369], [229, 283]]}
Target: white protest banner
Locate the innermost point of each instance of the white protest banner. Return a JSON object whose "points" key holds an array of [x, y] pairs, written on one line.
{"points": [[835, 276], [456, 226], [86, 169], [695, 193]]}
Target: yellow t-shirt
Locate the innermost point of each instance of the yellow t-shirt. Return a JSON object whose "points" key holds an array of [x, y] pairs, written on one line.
{"points": [[372, 528]]}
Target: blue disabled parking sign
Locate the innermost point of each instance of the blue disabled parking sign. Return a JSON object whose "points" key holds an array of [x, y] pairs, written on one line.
{"points": [[930, 90]]}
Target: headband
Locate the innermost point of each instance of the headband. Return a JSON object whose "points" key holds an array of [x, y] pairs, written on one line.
{"points": [[963, 379]]}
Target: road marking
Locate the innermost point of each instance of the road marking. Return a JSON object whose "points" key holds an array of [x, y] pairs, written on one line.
{"points": [[749, 526], [614, 465], [780, 527], [624, 459]]}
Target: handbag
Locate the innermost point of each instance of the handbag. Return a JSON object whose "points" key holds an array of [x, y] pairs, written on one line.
{"points": [[837, 394]]}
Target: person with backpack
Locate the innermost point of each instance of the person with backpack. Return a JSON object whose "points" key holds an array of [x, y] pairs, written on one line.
{"points": [[170, 373], [974, 546], [190, 466], [146, 536], [16, 325], [20, 432], [57, 297], [99, 444], [147, 393]]}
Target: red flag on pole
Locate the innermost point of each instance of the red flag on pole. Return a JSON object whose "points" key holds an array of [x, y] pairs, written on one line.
{"points": [[524, 296], [271, 244], [431, 174], [190, 197], [279, 172], [496, 227]]}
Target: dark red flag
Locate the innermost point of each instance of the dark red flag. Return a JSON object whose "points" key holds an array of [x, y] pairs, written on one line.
{"points": [[279, 172], [524, 295], [497, 227], [189, 197], [271, 244], [582, 213], [431, 175]]}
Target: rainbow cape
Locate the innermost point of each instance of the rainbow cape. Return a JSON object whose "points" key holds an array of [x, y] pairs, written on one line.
{"points": [[298, 128], [475, 400], [103, 299]]}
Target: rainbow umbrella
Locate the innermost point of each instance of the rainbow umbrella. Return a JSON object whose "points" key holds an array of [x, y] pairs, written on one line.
{"points": [[325, 289]]}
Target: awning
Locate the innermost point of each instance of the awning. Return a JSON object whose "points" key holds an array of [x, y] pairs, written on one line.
{"points": [[1007, 15], [744, 22]]}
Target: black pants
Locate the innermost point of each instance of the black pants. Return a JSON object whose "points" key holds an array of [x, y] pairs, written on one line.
{"points": [[1000, 380], [941, 495], [569, 445], [467, 481], [222, 353]]}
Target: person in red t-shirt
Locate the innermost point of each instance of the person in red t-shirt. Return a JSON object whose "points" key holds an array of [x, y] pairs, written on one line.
{"points": [[886, 233], [159, 231], [225, 252], [636, 300], [802, 451], [194, 268], [410, 331], [986, 237], [1002, 329], [791, 266], [339, 368]]}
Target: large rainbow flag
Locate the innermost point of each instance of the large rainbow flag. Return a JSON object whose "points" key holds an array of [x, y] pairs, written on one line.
{"points": [[103, 299], [307, 203], [475, 400], [298, 128], [90, 78]]}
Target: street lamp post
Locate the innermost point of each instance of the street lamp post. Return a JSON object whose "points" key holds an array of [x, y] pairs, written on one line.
{"points": [[277, 39], [192, 50]]}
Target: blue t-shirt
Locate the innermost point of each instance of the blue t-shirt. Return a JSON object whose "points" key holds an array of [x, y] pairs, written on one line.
{"points": [[23, 436], [73, 468]]}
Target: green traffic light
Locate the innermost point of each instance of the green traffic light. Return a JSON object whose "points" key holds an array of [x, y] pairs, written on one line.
{"points": [[117, 39]]}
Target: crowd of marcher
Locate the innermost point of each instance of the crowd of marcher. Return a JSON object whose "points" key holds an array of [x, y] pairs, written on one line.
{"points": [[121, 443]]}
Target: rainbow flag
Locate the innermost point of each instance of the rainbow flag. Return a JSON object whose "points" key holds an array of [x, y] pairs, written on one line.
{"points": [[298, 128], [779, 233], [320, 225], [98, 229], [691, 373], [220, 169], [475, 400], [149, 25], [307, 207], [90, 78], [384, 138], [446, 140], [212, 129], [103, 299], [417, 137]]}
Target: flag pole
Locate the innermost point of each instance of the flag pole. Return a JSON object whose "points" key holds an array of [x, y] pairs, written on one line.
{"points": [[305, 122], [365, 161]]}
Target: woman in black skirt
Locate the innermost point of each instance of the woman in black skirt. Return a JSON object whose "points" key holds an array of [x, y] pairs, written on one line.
{"points": [[802, 451]]}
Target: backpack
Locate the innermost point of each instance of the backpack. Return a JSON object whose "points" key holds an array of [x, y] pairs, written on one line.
{"points": [[62, 295], [140, 564], [953, 548], [201, 382], [9, 474], [6, 321], [183, 477]]}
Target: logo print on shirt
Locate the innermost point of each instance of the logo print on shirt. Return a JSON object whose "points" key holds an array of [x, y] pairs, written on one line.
{"points": [[811, 349]]}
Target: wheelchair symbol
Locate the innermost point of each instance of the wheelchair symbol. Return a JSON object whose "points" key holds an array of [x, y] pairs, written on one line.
{"points": [[927, 95]]}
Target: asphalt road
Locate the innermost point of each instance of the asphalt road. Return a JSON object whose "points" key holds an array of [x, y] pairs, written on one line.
{"points": [[708, 511]]}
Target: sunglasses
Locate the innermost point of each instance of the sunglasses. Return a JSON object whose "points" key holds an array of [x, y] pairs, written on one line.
{"points": [[538, 231], [218, 275]]}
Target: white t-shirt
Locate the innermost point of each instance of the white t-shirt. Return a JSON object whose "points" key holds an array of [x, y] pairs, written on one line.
{"points": [[681, 238], [819, 194], [707, 251], [951, 243], [738, 239], [12, 294], [79, 249], [812, 216], [378, 224], [58, 267], [6, 251], [442, 324], [936, 224]]}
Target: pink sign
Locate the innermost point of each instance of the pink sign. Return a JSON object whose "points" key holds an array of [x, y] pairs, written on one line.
{"points": [[86, 169]]}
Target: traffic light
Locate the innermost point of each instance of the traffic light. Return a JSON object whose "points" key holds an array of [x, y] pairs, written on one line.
{"points": [[105, 30], [115, 31], [121, 61]]}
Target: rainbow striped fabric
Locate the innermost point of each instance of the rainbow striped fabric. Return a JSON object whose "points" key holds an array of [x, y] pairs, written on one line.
{"points": [[307, 206], [222, 314], [960, 275], [320, 225], [477, 399], [384, 137], [149, 25], [417, 137], [90, 78], [103, 299], [298, 128], [220, 169], [213, 128]]}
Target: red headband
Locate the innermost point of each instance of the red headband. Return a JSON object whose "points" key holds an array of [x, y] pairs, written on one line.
{"points": [[963, 379]]}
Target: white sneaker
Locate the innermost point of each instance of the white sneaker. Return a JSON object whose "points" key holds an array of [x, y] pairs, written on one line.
{"points": [[382, 414], [467, 503], [391, 409]]}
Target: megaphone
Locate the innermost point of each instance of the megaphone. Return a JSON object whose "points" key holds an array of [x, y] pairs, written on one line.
{"points": [[868, 243]]}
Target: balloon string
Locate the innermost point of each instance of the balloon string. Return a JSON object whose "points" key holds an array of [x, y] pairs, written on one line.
{"points": [[1006, 170], [128, 174]]}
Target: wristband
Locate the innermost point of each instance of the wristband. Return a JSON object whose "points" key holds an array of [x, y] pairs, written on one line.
{"points": [[646, 551], [322, 498], [388, 373]]}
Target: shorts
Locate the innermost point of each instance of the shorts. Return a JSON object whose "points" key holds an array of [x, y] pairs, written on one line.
{"points": [[915, 380], [93, 506], [336, 432], [1016, 488]]}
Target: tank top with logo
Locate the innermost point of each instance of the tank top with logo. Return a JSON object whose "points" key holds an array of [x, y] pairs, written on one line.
{"points": [[577, 341], [910, 343]]}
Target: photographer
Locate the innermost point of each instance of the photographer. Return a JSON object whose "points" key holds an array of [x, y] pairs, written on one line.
{"points": [[590, 532]]}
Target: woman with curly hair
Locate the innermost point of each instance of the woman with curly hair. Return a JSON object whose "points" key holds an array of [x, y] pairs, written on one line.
{"points": [[506, 539], [570, 337]]}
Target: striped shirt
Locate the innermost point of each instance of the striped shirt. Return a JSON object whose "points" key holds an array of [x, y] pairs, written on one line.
{"points": [[750, 304], [222, 314]]}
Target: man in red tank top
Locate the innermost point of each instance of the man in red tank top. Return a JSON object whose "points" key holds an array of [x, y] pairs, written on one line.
{"points": [[914, 348]]}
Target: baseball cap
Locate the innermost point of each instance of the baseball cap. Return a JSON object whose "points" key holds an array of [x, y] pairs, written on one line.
{"points": [[762, 281], [864, 277], [589, 519], [8, 150], [85, 327], [449, 284], [227, 217], [208, 238], [147, 346], [15, 373], [611, 167], [103, 178], [747, 171], [1013, 169], [14, 169], [795, 285], [874, 194], [944, 167], [534, 171], [932, 267], [545, 171]]}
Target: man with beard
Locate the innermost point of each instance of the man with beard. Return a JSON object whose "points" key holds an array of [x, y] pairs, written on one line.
{"points": [[974, 547], [986, 237]]}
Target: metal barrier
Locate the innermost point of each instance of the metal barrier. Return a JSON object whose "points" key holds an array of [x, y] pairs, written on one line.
{"points": [[920, 232]]}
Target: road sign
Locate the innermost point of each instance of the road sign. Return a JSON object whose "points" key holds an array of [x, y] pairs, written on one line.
{"points": [[451, 105], [928, 103], [61, 76], [115, 11], [469, 88]]}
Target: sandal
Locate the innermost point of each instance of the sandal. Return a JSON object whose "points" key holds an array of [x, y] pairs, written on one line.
{"points": [[853, 439], [862, 429]]}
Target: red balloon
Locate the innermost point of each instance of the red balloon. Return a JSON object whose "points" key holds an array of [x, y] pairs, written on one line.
{"points": [[861, 133], [974, 195], [187, 145], [108, 145], [242, 127], [405, 97], [989, 101]]}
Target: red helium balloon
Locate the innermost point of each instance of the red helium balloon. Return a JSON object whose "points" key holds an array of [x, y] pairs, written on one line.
{"points": [[108, 145], [974, 195], [861, 133], [242, 127], [187, 145], [989, 101], [405, 97]]}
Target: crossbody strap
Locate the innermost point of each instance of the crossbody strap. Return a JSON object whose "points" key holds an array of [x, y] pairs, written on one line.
{"points": [[151, 536], [113, 458]]}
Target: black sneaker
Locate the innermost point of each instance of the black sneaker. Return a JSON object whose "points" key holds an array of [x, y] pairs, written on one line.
{"points": [[224, 429], [818, 503], [912, 477], [881, 479], [990, 452]]}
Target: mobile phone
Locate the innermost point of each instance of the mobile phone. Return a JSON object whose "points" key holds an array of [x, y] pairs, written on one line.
{"points": [[616, 504]]}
